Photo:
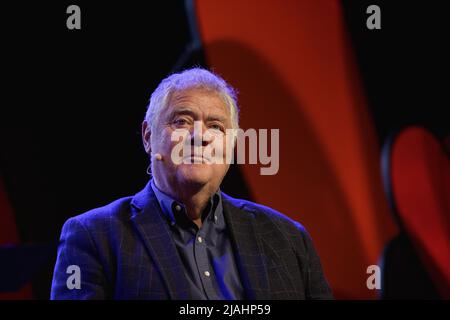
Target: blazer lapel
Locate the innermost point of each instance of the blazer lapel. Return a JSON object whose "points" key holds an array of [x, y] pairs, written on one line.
{"points": [[249, 256], [155, 234]]}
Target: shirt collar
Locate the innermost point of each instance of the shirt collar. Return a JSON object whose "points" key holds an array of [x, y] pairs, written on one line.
{"points": [[170, 206]]}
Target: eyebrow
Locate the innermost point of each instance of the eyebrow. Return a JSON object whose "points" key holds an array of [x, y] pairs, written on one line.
{"points": [[183, 111], [216, 118], [188, 111]]}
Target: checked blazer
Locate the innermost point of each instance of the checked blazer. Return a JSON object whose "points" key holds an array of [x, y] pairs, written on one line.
{"points": [[124, 250]]}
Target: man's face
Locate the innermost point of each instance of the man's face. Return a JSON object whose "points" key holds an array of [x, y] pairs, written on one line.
{"points": [[183, 110]]}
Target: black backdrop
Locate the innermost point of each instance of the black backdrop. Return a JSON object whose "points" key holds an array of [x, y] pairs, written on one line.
{"points": [[72, 101]]}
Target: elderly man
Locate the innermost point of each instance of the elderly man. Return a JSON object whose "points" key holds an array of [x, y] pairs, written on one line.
{"points": [[181, 237]]}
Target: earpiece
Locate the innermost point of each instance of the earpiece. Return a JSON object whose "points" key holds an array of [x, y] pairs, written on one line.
{"points": [[158, 156]]}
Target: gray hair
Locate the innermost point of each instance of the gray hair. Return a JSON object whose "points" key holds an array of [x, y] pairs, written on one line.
{"points": [[187, 79]]}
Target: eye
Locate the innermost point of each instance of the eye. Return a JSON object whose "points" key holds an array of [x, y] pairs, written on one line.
{"points": [[216, 126], [180, 122]]}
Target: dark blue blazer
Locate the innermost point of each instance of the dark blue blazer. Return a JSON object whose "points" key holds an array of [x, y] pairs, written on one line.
{"points": [[124, 251]]}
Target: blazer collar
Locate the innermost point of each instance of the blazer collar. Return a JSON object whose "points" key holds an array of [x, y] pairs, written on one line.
{"points": [[247, 250], [154, 232]]}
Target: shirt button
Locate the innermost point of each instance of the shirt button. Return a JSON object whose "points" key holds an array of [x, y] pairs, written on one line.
{"points": [[178, 207], [200, 239], [207, 273]]}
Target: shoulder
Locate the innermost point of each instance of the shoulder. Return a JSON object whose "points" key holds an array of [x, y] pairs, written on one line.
{"points": [[271, 224], [117, 211], [264, 214]]}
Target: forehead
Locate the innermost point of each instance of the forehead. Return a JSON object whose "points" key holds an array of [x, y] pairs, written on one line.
{"points": [[206, 100]]}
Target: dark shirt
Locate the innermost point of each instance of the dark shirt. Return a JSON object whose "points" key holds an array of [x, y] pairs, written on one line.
{"points": [[206, 253]]}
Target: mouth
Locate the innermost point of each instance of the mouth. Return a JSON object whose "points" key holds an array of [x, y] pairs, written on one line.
{"points": [[195, 159]]}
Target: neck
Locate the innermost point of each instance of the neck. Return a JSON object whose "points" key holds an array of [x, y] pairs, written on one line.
{"points": [[195, 205], [194, 198]]}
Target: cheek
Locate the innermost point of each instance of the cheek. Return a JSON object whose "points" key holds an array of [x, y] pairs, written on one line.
{"points": [[219, 144], [162, 142], [165, 146]]}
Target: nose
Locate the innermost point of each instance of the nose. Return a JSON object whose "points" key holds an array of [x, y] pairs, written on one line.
{"points": [[199, 135]]}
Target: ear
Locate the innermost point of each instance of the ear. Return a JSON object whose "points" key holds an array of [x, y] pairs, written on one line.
{"points": [[146, 133]]}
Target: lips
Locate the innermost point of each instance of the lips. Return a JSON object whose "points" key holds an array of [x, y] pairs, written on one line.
{"points": [[196, 159]]}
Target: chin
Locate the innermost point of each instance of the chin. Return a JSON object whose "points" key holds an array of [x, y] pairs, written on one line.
{"points": [[199, 174]]}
